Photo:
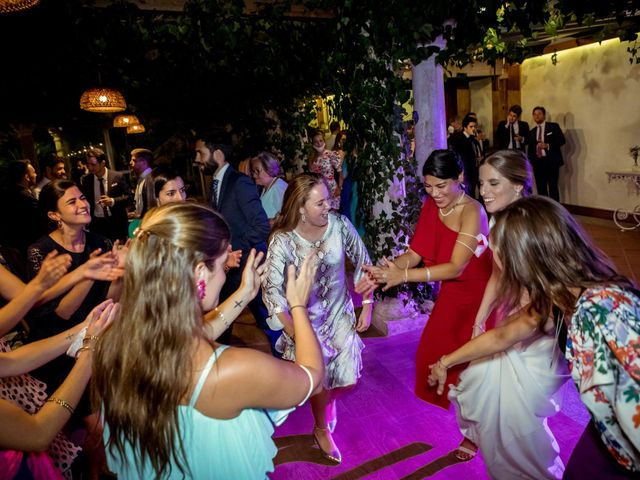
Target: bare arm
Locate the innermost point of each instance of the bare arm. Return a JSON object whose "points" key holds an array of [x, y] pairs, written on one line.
{"points": [[276, 383], [394, 273], [36, 354], [488, 298], [219, 319], [53, 267], [518, 327], [23, 431]]}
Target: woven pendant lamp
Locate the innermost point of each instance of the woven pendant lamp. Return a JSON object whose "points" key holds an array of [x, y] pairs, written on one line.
{"points": [[102, 100], [9, 6], [125, 120], [135, 129]]}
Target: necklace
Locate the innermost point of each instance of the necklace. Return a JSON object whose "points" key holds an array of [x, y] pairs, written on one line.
{"points": [[452, 208], [264, 192]]}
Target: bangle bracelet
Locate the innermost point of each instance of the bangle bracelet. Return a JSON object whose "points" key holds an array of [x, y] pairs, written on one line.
{"points": [[88, 339], [367, 301], [428, 275], [83, 349], [221, 316], [441, 363], [62, 403], [296, 306]]}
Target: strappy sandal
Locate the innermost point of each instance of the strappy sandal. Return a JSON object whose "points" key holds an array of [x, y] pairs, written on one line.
{"points": [[464, 454]]}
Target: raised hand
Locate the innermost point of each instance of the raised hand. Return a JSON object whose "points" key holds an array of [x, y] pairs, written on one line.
{"points": [[53, 268], [233, 260], [101, 317], [252, 274], [299, 288], [103, 267]]}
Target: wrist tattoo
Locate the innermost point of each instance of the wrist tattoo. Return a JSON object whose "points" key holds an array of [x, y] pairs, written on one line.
{"points": [[238, 304]]}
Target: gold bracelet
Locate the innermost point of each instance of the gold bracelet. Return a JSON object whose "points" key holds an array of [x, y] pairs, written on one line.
{"points": [[299, 306], [428, 275], [221, 315], [441, 363], [88, 338], [83, 349], [62, 403]]}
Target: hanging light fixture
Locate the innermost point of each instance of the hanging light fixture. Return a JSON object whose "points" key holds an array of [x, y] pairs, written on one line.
{"points": [[125, 120], [9, 6], [102, 100], [135, 129]]}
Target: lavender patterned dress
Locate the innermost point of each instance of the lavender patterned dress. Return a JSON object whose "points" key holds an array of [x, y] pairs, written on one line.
{"points": [[330, 306]]}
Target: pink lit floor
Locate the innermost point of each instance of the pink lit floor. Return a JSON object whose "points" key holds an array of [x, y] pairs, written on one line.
{"points": [[385, 432]]}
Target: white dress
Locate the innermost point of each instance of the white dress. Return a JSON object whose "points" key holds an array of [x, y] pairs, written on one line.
{"points": [[502, 404], [330, 306]]}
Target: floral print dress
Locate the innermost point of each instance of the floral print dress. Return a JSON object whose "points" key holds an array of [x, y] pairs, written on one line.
{"points": [[326, 164], [603, 349]]}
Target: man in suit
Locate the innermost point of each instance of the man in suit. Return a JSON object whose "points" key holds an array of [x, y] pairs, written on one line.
{"points": [[464, 143], [108, 193], [144, 195], [512, 133], [545, 140], [235, 196]]}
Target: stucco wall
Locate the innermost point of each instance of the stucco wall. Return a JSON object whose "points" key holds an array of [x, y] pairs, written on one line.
{"points": [[594, 94]]}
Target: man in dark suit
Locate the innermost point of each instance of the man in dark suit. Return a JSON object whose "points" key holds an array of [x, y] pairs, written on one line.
{"points": [[144, 194], [512, 132], [464, 143], [545, 140], [108, 193], [235, 196]]}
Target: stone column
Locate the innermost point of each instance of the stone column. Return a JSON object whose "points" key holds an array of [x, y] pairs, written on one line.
{"points": [[428, 96]]}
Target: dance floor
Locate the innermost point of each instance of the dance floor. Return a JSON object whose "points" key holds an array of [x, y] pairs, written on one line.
{"points": [[384, 431]]}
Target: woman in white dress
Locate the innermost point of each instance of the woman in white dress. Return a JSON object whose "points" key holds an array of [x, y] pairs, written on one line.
{"points": [[306, 224], [503, 401]]}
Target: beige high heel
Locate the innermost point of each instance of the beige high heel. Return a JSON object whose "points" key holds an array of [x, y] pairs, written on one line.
{"points": [[334, 455]]}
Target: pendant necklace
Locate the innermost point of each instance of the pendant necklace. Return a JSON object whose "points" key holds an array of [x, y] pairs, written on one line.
{"points": [[452, 208]]}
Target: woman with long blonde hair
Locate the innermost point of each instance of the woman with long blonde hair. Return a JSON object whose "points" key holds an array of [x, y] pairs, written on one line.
{"points": [[176, 403]]}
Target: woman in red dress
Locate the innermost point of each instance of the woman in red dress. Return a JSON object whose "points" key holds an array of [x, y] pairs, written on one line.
{"points": [[450, 246]]}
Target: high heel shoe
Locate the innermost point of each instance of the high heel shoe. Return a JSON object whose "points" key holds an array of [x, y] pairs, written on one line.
{"points": [[334, 455]]}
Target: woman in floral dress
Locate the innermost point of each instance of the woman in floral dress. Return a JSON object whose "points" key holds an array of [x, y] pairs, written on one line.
{"points": [[328, 164], [543, 251]]}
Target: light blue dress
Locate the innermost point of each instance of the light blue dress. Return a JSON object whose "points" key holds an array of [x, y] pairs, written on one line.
{"points": [[216, 449], [271, 198]]}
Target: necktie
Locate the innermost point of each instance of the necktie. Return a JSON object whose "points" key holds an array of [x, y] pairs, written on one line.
{"points": [[539, 149], [214, 193], [512, 137], [105, 209]]}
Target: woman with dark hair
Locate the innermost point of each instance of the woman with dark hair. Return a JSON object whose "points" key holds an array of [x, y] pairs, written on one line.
{"points": [[450, 246], [502, 402], [66, 210], [570, 284], [265, 170], [175, 403], [306, 224]]}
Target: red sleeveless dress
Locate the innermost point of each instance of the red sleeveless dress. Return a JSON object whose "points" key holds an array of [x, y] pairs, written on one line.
{"points": [[450, 324]]}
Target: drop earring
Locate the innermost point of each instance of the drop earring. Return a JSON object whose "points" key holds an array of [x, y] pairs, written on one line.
{"points": [[303, 218], [517, 194], [202, 289], [59, 224]]}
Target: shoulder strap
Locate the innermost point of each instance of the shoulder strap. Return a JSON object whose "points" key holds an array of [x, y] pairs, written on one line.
{"points": [[205, 373]]}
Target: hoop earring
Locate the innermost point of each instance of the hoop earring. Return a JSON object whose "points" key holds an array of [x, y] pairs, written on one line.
{"points": [[303, 218], [202, 289]]}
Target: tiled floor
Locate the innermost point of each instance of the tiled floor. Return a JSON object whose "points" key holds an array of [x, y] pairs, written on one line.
{"points": [[385, 432]]}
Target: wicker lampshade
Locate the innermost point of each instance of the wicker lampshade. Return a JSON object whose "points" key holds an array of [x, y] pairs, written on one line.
{"points": [[8, 6], [125, 121], [102, 100], [135, 129]]}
